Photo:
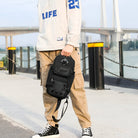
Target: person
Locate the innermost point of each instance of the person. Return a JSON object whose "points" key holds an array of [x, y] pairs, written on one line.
{"points": [[59, 33]]}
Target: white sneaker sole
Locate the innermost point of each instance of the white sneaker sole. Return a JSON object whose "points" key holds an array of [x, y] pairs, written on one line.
{"points": [[53, 136], [86, 137]]}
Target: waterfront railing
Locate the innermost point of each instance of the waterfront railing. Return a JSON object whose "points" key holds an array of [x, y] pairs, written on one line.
{"points": [[26, 61]]}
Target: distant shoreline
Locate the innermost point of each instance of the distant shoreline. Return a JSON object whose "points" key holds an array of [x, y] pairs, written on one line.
{"points": [[131, 50], [2, 52]]}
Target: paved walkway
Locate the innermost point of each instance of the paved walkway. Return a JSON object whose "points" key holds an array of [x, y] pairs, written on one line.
{"points": [[114, 111], [11, 129]]}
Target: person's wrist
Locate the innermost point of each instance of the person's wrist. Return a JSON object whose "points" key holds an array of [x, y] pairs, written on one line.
{"points": [[70, 45]]}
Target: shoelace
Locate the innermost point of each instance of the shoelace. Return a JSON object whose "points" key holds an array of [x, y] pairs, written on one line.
{"points": [[46, 129], [86, 131]]}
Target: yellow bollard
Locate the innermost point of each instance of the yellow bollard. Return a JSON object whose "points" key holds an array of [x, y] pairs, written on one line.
{"points": [[96, 72], [12, 60], [1, 64]]}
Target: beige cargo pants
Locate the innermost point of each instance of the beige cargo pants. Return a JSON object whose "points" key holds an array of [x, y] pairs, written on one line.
{"points": [[77, 94]]}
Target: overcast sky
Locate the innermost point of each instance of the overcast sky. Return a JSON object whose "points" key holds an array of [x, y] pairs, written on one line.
{"points": [[24, 13]]}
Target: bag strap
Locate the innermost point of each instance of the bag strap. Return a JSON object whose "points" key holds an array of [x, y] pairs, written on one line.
{"points": [[63, 110]]}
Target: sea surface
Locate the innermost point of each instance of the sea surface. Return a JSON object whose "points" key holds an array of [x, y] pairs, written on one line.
{"points": [[1, 56], [130, 58]]}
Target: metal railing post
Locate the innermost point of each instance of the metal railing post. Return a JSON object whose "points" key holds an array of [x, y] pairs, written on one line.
{"points": [[121, 59], [28, 50], [21, 58]]}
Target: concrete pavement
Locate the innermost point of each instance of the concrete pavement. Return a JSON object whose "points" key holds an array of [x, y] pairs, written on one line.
{"points": [[10, 129], [113, 111]]}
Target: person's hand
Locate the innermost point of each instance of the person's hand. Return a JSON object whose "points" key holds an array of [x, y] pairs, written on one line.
{"points": [[67, 50]]}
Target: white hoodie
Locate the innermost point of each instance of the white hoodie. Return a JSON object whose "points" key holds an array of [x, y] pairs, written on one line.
{"points": [[59, 24]]}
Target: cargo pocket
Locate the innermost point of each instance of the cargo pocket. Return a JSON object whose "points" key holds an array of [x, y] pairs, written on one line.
{"points": [[78, 81], [44, 75], [76, 56]]}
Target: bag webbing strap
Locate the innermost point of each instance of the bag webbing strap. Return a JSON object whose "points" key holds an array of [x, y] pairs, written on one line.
{"points": [[58, 104], [63, 110]]}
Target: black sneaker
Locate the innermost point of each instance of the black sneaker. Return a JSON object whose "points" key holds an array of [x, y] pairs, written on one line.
{"points": [[86, 133], [48, 132]]}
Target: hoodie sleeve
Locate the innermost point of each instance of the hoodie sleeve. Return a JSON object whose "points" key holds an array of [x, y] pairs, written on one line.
{"points": [[74, 22]]}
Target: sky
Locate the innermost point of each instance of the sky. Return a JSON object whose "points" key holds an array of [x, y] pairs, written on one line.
{"points": [[24, 13]]}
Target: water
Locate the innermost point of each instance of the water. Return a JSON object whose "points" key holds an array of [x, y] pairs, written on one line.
{"points": [[25, 59], [130, 58], [1, 56]]}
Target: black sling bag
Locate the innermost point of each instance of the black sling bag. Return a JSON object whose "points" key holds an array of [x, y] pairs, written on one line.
{"points": [[59, 81]]}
